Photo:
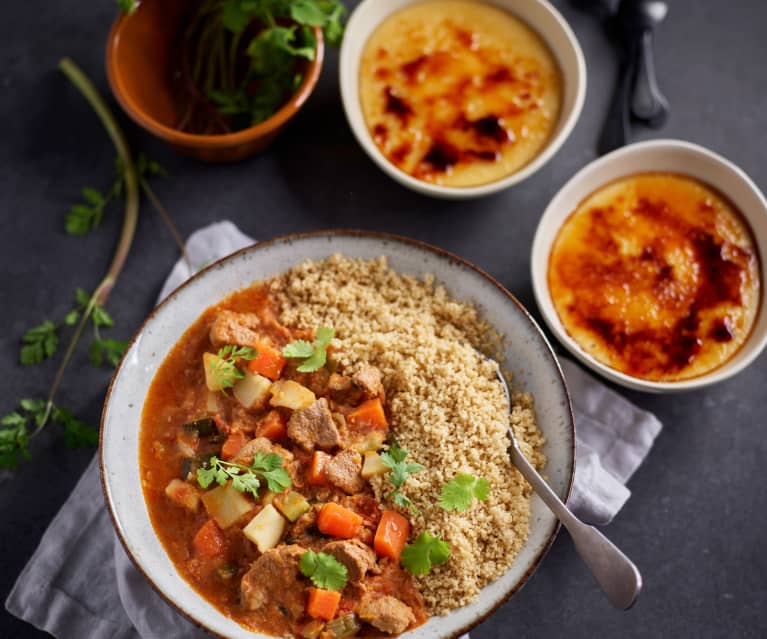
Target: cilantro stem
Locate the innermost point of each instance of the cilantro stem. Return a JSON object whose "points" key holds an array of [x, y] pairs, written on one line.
{"points": [[130, 217]]}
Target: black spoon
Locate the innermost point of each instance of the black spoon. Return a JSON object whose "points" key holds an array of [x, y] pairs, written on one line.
{"points": [[648, 104]]}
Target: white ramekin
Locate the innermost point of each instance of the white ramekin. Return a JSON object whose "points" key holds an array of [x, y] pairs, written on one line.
{"points": [[538, 14], [673, 156]]}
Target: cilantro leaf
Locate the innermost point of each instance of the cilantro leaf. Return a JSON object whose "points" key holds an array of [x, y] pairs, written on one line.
{"points": [[394, 459], [14, 439], [246, 479], [128, 6], [39, 343], [457, 494], [223, 368], [100, 317], [307, 12], [403, 501], [77, 434], [314, 354], [427, 551], [324, 570], [106, 350]]}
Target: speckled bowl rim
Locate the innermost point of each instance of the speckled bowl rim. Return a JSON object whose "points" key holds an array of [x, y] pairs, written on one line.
{"points": [[576, 82], [351, 233], [554, 216]]}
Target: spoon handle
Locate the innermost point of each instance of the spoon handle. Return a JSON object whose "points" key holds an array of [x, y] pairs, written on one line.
{"points": [[616, 574], [616, 129], [648, 104]]}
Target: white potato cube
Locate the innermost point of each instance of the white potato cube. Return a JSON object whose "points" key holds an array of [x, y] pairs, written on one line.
{"points": [[211, 362], [373, 465], [226, 505], [291, 394], [252, 390], [266, 528], [183, 494]]}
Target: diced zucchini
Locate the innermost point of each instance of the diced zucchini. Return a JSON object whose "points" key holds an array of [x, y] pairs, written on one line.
{"points": [[183, 494], [373, 465], [371, 441], [291, 504], [212, 362], [290, 394], [201, 427], [252, 390], [226, 505], [345, 626], [227, 571], [266, 528]]}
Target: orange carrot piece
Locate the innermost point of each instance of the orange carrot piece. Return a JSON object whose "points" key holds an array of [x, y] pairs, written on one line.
{"points": [[322, 604], [337, 521], [368, 414], [209, 541], [316, 475], [269, 362], [273, 426], [233, 444], [391, 535]]}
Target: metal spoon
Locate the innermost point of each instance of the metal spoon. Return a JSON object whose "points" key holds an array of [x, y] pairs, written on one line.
{"points": [[618, 577], [648, 104]]}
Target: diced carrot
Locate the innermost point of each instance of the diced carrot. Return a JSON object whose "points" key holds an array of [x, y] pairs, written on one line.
{"points": [[391, 535], [209, 541], [316, 475], [338, 521], [233, 444], [368, 414], [322, 604], [273, 426], [269, 362]]}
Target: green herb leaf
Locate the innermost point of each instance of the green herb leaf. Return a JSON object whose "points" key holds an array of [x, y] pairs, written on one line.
{"points": [[314, 354], [403, 501], [128, 6], [39, 343], [77, 434], [14, 439], [458, 493], [427, 551], [106, 350], [307, 12], [224, 369], [234, 16], [394, 459], [246, 479], [100, 317], [324, 570]]}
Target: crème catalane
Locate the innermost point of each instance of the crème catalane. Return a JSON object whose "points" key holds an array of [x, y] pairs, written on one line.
{"points": [[458, 93], [657, 276]]}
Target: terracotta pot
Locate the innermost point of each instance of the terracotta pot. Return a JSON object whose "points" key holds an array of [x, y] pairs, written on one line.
{"points": [[140, 63]]}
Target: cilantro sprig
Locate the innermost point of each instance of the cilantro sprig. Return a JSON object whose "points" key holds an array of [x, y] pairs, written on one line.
{"points": [[314, 354], [426, 551], [246, 479], [395, 459], [223, 369], [458, 493], [324, 570]]}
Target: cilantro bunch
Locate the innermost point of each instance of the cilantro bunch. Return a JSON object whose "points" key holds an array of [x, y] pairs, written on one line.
{"points": [[243, 58]]}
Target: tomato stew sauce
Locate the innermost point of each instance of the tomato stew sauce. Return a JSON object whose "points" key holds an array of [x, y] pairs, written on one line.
{"points": [[318, 426]]}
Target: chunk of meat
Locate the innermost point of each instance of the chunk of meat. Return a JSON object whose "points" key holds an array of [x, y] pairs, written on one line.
{"points": [[313, 427], [369, 380], [230, 327], [270, 586], [342, 390], [356, 556], [344, 471], [263, 445], [386, 613]]}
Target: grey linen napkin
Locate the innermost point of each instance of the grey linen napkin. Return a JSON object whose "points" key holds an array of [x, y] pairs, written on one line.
{"points": [[80, 583]]}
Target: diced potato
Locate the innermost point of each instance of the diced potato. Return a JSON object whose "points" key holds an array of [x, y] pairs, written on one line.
{"points": [[291, 504], [226, 505], [373, 465], [290, 394], [372, 441], [211, 362], [252, 391], [266, 528], [183, 494]]}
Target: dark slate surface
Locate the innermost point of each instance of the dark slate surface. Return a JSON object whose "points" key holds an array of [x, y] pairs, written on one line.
{"points": [[696, 520]]}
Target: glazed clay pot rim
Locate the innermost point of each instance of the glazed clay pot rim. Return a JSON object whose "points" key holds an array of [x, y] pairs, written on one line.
{"points": [[174, 136], [384, 237], [560, 32], [721, 169]]}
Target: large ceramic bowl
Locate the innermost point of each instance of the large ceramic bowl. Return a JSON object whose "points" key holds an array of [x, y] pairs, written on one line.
{"points": [[541, 16], [528, 356], [669, 156]]}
